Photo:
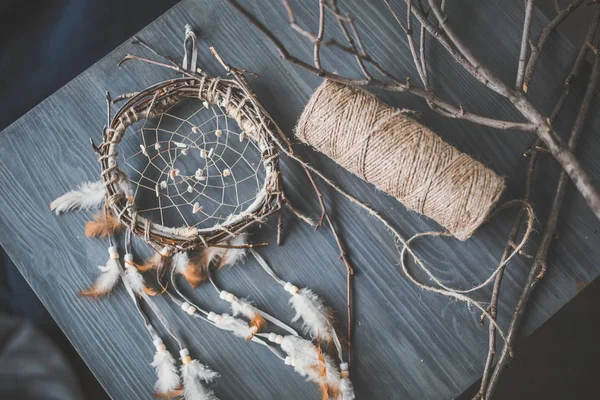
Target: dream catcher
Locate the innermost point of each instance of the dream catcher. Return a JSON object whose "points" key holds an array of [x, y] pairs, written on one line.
{"points": [[189, 165]]}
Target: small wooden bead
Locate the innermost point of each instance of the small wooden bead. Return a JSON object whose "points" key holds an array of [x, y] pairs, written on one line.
{"points": [[279, 339], [186, 360], [230, 297], [114, 254], [161, 347], [165, 252], [290, 288], [218, 133], [344, 374], [191, 310], [223, 294]]}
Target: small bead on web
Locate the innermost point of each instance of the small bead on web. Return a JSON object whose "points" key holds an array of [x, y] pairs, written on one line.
{"points": [[192, 166]]}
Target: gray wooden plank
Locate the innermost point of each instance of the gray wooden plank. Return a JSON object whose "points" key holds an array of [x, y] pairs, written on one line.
{"points": [[408, 343]]}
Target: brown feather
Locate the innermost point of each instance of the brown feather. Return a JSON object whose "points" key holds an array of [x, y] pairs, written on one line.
{"points": [[150, 292], [322, 371], [104, 224], [93, 292], [196, 271], [150, 263], [160, 263], [168, 395], [193, 275], [334, 392], [258, 321]]}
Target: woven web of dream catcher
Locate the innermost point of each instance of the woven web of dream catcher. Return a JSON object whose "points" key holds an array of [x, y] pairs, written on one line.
{"points": [[191, 166]]}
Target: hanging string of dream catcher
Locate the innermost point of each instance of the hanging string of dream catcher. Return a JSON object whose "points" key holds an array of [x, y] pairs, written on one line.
{"points": [[178, 161]]}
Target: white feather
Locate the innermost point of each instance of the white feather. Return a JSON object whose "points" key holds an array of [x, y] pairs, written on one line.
{"points": [[307, 363], [134, 279], [123, 184], [231, 256], [180, 262], [346, 389], [194, 374], [87, 196], [315, 314], [210, 254], [243, 307], [237, 326], [109, 276], [166, 372]]}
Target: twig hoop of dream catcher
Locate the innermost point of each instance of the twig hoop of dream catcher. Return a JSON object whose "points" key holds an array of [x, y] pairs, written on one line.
{"points": [[224, 95]]}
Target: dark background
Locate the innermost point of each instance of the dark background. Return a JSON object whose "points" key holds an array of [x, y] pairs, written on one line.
{"points": [[46, 43]]}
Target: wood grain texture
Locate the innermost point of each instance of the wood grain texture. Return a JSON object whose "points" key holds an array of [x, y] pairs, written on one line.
{"points": [[408, 344]]}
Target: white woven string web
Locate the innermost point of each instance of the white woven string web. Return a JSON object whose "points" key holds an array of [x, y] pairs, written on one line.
{"points": [[191, 166]]}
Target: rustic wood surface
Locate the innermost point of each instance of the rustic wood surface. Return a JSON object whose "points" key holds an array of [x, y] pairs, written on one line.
{"points": [[408, 343]]}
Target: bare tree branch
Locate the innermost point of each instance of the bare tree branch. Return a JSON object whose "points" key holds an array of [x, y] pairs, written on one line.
{"points": [[543, 129], [577, 65], [451, 110], [524, 43], [536, 49]]}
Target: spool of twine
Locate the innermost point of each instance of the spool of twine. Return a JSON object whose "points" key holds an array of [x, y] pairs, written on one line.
{"points": [[400, 157]]}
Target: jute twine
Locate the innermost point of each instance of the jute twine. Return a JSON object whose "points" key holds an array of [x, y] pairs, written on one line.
{"points": [[400, 157]]}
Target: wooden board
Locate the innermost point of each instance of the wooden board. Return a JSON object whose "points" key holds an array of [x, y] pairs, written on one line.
{"points": [[408, 343]]}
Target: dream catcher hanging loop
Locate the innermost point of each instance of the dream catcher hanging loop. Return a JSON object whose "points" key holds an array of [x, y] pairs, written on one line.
{"points": [[223, 94]]}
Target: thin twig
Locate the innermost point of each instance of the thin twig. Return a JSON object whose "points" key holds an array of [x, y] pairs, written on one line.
{"points": [[493, 307], [342, 23], [524, 43], [319, 39], [409, 36], [536, 49], [578, 62]]}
